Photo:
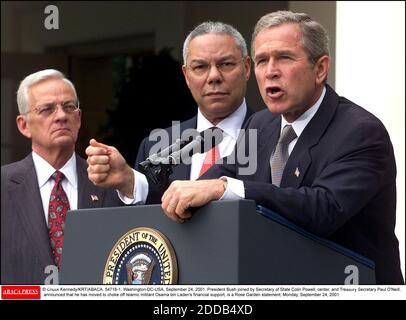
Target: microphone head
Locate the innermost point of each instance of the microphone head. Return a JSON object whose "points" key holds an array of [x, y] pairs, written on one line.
{"points": [[182, 150]]}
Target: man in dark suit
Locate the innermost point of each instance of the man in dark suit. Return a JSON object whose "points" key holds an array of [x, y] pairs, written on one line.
{"points": [[51, 118], [322, 162], [216, 69]]}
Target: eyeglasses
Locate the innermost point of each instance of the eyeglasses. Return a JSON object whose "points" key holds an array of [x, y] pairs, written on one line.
{"points": [[203, 68], [50, 108]]}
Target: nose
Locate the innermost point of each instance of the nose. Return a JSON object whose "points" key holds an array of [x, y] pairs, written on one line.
{"points": [[59, 113], [272, 70], [214, 75]]}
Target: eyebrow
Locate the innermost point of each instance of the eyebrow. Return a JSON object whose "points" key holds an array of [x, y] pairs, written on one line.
{"points": [[273, 53], [282, 52], [260, 56], [53, 102], [198, 60]]}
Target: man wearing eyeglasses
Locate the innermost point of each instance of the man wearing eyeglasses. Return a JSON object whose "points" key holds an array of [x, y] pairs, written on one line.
{"points": [[216, 69], [38, 191]]}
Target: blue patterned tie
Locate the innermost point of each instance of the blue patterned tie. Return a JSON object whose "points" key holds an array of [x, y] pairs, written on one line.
{"points": [[281, 155]]}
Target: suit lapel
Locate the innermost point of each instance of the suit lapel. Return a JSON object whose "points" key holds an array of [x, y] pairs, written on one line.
{"points": [[182, 171], [300, 158], [267, 140], [247, 116], [26, 196], [296, 168], [89, 196]]}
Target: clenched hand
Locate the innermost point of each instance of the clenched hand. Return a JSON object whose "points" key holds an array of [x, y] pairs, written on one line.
{"points": [[107, 168]]}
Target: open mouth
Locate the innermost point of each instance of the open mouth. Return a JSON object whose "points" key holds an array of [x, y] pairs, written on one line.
{"points": [[274, 92]]}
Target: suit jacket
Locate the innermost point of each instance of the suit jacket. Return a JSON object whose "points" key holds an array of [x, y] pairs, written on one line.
{"points": [[25, 244], [181, 171], [338, 183]]}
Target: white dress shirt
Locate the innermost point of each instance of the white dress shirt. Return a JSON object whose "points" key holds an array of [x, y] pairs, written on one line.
{"points": [[231, 127], [46, 182], [235, 188]]}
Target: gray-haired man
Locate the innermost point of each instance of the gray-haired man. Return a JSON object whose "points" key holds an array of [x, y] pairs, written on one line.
{"points": [[216, 69], [37, 192]]}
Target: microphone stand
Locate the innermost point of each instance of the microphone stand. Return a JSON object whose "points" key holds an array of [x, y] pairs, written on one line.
{"points": [[158, 168], [158, 173]]}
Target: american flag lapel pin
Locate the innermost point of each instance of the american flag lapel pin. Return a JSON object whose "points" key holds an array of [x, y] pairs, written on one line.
{"points": [[94, 197], [297, 173]]}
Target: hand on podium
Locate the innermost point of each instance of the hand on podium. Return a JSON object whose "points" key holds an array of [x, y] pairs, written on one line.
{"points": [[182, 195]]}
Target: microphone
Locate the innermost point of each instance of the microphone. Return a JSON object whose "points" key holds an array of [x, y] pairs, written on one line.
{"points": [[156, 158], [158, 167], [183, 150], [207, 140]]}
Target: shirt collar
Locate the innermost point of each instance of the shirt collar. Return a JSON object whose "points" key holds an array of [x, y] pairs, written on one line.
{"points": [[231, 125], [300, 123], [45, 170]]}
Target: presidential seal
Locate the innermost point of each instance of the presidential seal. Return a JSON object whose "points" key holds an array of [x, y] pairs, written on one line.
{"points": [[141, 256]]}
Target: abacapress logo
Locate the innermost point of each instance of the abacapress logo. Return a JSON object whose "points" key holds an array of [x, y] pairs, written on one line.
{"points": [[20, 292]]}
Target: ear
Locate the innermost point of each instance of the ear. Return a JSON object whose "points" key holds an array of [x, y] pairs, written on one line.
{"points": [[80, 118], [185, 75], [247, 65], [23, 127], [322, 67]]}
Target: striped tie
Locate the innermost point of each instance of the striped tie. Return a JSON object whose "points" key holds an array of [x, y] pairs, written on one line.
{"points": [[281, 155]]}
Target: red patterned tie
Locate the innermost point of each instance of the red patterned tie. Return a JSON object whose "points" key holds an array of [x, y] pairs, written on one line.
{"points": [[58, 206], [211, 157]]}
